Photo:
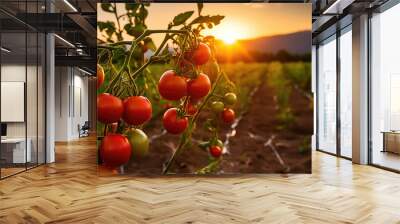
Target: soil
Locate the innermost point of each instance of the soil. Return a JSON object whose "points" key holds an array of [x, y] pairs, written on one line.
{"points": [[245, 152]]}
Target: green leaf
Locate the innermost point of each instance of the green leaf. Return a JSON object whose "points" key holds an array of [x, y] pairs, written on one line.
{"points": [[212, 167], [204, 144], [108, 27], [181, 18], [107, 7], [105, 25], [199, 7], [136, 30], [208, 19], [132, 6], [143, 13]]}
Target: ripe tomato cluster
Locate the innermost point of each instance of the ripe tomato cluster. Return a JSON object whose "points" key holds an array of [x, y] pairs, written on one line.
{"points": [[173, 86], [117, 149]]}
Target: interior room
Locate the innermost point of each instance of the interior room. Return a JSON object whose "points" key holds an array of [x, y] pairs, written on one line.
{"points": [[335, 77], [22, 98], [31, 92], [385, 86], [49, 161]]}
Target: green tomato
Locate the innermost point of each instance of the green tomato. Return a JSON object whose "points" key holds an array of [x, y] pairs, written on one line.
{"points": [[230, 98], [139, 142], [214, 68], [217, 106]]}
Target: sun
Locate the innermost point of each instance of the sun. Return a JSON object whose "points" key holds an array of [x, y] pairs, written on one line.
{"points": [[229, 33], [229, 39], [228, 36]]}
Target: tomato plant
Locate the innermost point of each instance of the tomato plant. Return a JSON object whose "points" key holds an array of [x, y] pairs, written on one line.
{"points": [[181, 93]]}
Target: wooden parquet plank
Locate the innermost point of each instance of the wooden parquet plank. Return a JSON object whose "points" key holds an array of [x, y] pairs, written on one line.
{"points": [[74, 190]]}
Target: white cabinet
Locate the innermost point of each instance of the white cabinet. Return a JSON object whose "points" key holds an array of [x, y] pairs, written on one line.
{"points": [[17, 147]]}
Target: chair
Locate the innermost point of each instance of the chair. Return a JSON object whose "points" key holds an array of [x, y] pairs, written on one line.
{"points": [[84, 130]]}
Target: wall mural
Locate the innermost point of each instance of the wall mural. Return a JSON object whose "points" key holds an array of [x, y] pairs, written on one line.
{"points": [[204, 88]]}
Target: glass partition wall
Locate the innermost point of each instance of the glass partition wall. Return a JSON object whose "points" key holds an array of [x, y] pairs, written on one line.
{"points": [[385, 89], [22, 88], [345, 91], [327, 95], [334, 94]]}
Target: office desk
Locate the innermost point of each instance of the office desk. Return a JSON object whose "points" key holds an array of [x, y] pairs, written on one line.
{"points": [[16, 148], [391, 141]]}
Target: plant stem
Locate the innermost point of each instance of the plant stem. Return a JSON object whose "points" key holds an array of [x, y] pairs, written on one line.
{"points": [[119, 33], [133, 46], [147, 32]]}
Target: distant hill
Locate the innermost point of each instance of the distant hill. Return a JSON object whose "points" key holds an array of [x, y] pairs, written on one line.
{"points": [[294, 43]]}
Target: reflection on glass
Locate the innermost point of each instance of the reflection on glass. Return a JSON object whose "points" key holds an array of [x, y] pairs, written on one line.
{"points": [[31, 97], [346, 94], [385, 89], [22, 90], [327, 96]]}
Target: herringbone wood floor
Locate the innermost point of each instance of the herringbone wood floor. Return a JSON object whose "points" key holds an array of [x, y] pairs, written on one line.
{"points": [[72, 191]]}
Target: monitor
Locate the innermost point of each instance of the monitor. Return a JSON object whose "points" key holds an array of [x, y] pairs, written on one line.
{"points": [[3, 129]]}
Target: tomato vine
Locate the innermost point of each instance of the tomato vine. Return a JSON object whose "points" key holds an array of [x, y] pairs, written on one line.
{"points": [[127, 79]]}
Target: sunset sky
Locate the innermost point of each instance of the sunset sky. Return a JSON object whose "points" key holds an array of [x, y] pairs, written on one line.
{"points": [[242, 20]]}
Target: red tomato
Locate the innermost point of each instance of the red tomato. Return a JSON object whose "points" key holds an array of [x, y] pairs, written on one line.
{"points": [[144, 47], [109, 108], [115, 149], [199, 87], [100, 75], [171, 86], [137, 110], [228, 115], [201, 55], [215, 151], [191, 109], [174, 124]]}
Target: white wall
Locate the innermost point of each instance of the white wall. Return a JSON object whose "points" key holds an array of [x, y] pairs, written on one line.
{"points": [[70, 83]]}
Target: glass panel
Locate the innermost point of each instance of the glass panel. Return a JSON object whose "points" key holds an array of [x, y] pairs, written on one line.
{"points": [[41, 99], [327, 96], [13, 85], [346, 94], [22, 81], [385, 84], [31, 98]]}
